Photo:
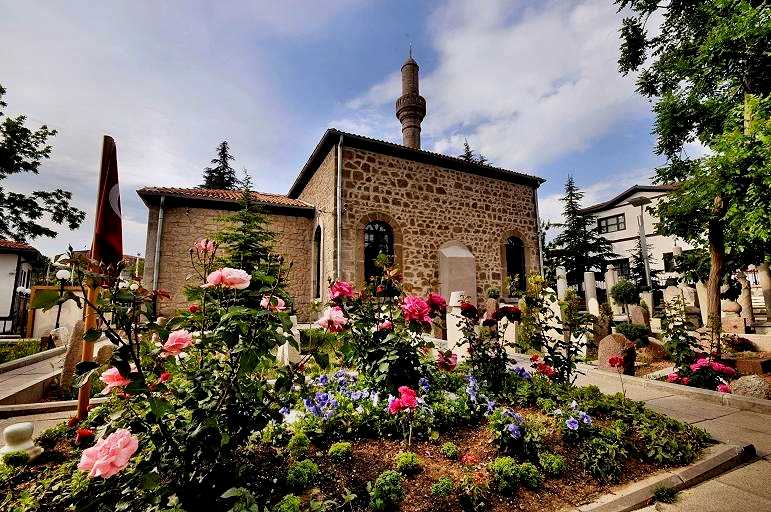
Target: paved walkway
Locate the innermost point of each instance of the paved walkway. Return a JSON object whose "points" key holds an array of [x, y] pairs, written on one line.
{"points": [[744, 489], [13, 381]]}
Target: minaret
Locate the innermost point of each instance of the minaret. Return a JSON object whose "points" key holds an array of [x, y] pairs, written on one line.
{"points": [[411, 106]]}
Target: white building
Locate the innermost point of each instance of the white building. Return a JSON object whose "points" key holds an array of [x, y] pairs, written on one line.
{"points": [[617, 221], [15, 273]]}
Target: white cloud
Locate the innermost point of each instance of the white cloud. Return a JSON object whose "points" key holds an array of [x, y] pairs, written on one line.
{"points": [[525, 84]]}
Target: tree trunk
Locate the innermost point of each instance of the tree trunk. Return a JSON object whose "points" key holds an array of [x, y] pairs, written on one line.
{"points": [[716, 241]]}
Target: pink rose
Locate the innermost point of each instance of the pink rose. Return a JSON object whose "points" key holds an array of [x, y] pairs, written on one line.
{"points": [[385, 325], [204, 246], [229, 278], [109, 455], [395, 405], [341, 290], [408, 397], [436, 302], [673, 377], [698, 365], [724, 388], [332, 320], [267, 303], [416, 309], [177, 342], [686, 380], [113, 379]]}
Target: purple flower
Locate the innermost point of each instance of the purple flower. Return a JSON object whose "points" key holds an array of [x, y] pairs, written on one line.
{"points": [[323, 380], [572, 423], [284, 410], [473, 388], [518, 419], [423, 383], [585, 418], [557, 412], [523, 373], [490, 406], [515, 431]]}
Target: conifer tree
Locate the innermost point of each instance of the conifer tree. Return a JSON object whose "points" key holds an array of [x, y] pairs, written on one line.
{"points": [[468, 153], [579, 247], [220, 175], [637, 266]]}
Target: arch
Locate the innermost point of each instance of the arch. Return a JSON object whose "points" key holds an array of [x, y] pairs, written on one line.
{"points": [[379, 223], [516, 258]]}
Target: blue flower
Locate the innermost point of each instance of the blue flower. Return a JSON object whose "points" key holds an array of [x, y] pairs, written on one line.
{"points": [[515, 431], [284, 410], [473, 388], [518, 419], [323, 380], [585, 418], [423, 383], [572, 423], [490, 406], [523, 373]]}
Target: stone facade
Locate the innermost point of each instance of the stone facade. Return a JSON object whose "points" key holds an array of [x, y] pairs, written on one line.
{"points": [[182, 226], [428, 206]]}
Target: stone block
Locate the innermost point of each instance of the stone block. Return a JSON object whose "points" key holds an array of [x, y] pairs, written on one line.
{"points": [[734, 325], [640, 316]]}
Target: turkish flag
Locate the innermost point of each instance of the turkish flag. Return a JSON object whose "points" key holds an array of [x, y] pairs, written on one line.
{"points": [[107, 247]]}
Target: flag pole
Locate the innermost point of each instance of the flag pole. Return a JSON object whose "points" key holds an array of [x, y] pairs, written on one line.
{"points": [[106, 249]]}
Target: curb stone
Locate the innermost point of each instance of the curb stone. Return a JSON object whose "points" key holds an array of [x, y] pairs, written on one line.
{"points": [[719, 459], [32, 359]]}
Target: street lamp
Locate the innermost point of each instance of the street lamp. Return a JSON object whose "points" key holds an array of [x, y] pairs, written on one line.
{"points": [[641, 202]]}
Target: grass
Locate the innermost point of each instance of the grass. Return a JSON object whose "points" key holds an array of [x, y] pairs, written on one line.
{"points": [[19, 349], [665, 494]]}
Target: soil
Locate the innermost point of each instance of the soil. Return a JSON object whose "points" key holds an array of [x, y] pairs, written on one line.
{"points": [[372, 457], [641, 371]]}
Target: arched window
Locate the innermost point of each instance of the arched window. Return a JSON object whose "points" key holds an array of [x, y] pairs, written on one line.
{"points": [[378, 238], [515, 262], [317, 263]]}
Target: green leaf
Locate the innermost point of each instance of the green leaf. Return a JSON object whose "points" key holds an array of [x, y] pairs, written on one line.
{"points": [[84, 366], [92, 335], [322, 359], [81, 379]]}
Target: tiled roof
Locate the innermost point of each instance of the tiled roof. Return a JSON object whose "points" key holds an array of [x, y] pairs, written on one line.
{"points": [[626, 193], [332, 136], [15, 246], [229, 196]]}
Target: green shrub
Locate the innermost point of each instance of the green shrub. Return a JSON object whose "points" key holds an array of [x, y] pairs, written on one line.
{"points": [[289, 503], [603, 456], [302, 474], [634, 332], [19, 349], [407, 463], [493, 293], [443, 487], [340, 452], [450, 450], [505, 473], [15, 459], [665, 494], [53, 435], [547, 405], [625, 292], [472, 496], [552, 464], [387, 491], [529, 475], [298, 445]]}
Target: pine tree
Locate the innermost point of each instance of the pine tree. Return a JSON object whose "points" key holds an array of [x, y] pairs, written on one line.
{"points": [[468, 153], [579, 247], [220, 175]]}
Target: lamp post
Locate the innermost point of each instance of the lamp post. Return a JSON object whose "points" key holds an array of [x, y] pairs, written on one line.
{"points": [[641, 202], [62, 275]]}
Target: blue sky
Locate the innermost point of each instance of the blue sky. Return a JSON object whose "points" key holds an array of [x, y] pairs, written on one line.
{"points": [[532, 84]]}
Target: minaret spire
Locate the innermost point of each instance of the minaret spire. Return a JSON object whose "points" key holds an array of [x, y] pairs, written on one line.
{"points": [[411, 106]]}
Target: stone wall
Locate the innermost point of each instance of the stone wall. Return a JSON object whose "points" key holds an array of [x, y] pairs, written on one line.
{"points": [[183, 226], [428, 206], [320, 192]]}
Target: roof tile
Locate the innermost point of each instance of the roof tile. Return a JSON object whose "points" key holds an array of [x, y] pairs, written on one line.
{"points": [[224, 195]]}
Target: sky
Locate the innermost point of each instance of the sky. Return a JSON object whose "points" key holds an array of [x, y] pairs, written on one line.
{"points": [[533, 85]]}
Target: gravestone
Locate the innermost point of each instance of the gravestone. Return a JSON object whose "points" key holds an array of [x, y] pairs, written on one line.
{"points": [[745, 298], [72, 356], [611, 278], [640, 316], [616, 345], [730, 308], [287, 353], [562, 283], [590, 289], [734, 325], [671, 292], [701, 293], [600, 329], [652, 352], [457, 270], [764, 279], [689, 295], [454, 334]]}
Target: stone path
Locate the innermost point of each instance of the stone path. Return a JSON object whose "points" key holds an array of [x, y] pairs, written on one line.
{"points": [[20, 378], [743, 489]]}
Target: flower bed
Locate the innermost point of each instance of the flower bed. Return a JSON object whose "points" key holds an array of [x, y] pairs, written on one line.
{"points": [[194, 423]]}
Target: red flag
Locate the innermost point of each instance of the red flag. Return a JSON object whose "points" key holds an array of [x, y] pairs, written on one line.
{"points": [[107, 247]]}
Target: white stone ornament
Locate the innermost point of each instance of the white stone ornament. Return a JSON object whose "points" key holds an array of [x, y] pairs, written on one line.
{"points": [[134, 287], [18, 437], [122, 285], [63, 274]]}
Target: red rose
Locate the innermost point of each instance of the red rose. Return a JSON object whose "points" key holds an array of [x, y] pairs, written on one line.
{"points": [[469, 459], [468, 310], [546, 370], [446, 361], [437, 303], [616, 361], [164, 377], [83, 435], [73, 421], [535, 357], [193, 308]]}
